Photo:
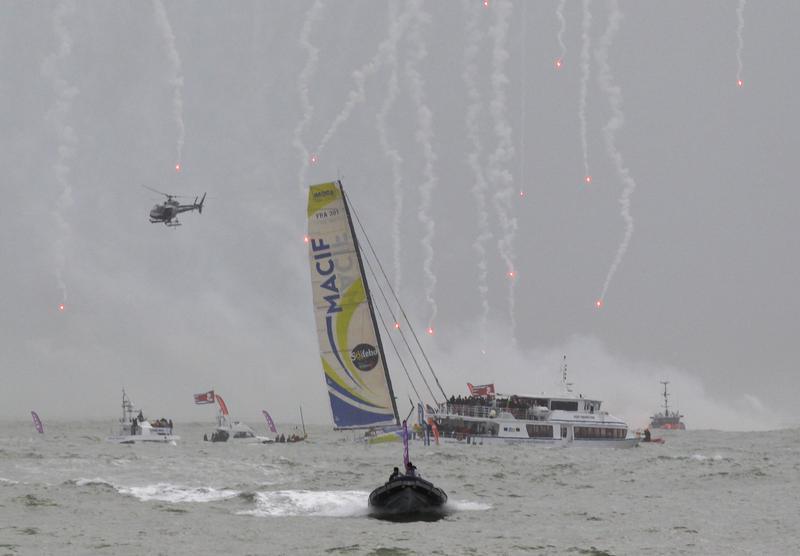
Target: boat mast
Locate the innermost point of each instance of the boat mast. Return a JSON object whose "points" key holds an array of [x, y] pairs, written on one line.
{"points": [[302, 422], [666, 396], [369, 302]]}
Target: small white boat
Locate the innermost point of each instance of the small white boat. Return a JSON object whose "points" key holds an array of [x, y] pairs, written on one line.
{"points": [[227, 429], [134, 428]]}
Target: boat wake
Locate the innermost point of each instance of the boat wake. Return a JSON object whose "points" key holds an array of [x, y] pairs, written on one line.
{"points": [[163, 492], [325, 503]]}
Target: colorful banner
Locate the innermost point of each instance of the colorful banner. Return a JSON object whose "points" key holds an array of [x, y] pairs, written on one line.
{"points": [[37, 423], [270, 423], [205, 397], [222, 407]]}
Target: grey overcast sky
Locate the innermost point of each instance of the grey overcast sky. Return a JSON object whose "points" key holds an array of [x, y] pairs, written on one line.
{"points": [[100, 98]]}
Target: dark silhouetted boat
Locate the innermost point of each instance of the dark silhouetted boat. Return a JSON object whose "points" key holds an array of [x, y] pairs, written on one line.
{"points": [[407, 498]]}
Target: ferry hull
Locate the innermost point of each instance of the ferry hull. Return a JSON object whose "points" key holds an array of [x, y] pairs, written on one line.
{"points": [[139, 439], [544, 442]]}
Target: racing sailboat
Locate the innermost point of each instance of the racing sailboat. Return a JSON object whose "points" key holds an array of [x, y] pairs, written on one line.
{"points": [[350, 347]]}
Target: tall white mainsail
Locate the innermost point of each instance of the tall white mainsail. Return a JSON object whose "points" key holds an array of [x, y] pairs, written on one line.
{"points": [[353, 361]]}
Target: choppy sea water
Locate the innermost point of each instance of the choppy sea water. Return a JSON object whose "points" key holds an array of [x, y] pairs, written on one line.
{"points": [[702, 492]]}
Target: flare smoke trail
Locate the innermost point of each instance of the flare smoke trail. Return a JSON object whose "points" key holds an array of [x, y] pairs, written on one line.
{"points": [[480, 185], [424, 137], [312, 16], [393, 155], [586, 41], [499, 175], [357, 95], [617, 120], [162, 20], [57, 117], [562, 27], [739, 31]]}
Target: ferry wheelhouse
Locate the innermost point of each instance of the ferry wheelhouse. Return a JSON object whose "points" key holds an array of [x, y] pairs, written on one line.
{"points": [[133, 428], [568, 419]]}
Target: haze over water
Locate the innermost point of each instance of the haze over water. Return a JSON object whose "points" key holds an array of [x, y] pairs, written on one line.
{"points": [[703, 492]]}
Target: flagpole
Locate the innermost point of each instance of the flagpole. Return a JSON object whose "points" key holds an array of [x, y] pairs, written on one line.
{"points": [[303, 422]]}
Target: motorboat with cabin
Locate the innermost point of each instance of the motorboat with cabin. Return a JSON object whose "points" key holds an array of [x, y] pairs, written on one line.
{"points": [[228, 429], [566, 419], [670, 420], [135, 428]]}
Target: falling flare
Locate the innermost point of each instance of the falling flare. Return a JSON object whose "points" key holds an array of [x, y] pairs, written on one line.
{"points": [[485, 3], [511, 274], [740, 83], [178, 167], [558, 63], [305, 239], [521, 193], [397, 326], [314, 159], [430, 330], [599, 303], [588, 179], [61, 307]]}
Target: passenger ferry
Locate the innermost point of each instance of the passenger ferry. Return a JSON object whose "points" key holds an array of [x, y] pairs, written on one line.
{"points": [[566, 420]]}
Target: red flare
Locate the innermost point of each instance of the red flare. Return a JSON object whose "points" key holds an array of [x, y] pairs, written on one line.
{"points": [[599, 303], [588, 179], [430, 330], [314, 159], [739, 83], [178, 167], [485, 3], [61, 307], [305, 239], [397, 325], [511, 274], [558, 63], [521, 193]]}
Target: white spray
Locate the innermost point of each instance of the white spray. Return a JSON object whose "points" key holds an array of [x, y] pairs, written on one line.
{"points": [[58, 117], [356, 96], [393, 155], [614, 94], [586, 25], [499, 175], [739, 31], [162, 20], [312, 16], [480, 186], [562, 26], [424, 137]]}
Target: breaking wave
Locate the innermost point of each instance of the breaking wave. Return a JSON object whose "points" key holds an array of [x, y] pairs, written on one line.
{"points": [[325, 503]]}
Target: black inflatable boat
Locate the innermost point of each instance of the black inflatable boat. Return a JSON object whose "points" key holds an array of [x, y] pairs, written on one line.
{"points": [[407, 498]]}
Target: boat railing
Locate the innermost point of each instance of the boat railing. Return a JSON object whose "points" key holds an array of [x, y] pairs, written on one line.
{"points": [[483, 411]]}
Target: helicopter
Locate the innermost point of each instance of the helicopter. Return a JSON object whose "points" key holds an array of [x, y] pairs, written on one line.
{"points": [[168, 211]]}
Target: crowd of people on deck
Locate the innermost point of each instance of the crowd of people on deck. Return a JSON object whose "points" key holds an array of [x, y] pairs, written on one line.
{"points": [[158, 423], [291, 438], [468, 400]]}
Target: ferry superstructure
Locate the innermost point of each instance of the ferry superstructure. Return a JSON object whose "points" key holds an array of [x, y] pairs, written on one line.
{"points": [[567, 419]]}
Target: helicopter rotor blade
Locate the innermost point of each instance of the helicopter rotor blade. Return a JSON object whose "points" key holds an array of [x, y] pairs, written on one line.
{"points": [[157, 191]]}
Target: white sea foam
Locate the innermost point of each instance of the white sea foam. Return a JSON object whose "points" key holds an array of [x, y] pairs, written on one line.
{"points": [[4, 481], [467, 506], [166, 492], [324, 503]]}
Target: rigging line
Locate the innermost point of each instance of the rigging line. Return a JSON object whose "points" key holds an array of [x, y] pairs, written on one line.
{"points": [[405, 341], [396, 352], [394, 295]]}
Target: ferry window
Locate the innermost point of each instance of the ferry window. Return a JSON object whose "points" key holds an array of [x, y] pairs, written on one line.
{"points": [[564, 405], [540, 431]]}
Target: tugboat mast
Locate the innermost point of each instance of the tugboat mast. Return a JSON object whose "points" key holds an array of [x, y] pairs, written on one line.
{"points": [[666, 398]]}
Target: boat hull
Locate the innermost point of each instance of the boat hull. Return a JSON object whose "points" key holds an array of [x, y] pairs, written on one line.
{"points": [[544, 442], [139, 439], [407, 498]]}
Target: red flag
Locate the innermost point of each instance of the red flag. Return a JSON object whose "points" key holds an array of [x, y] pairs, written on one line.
{"points": [[205, 397], [481, 390]]}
